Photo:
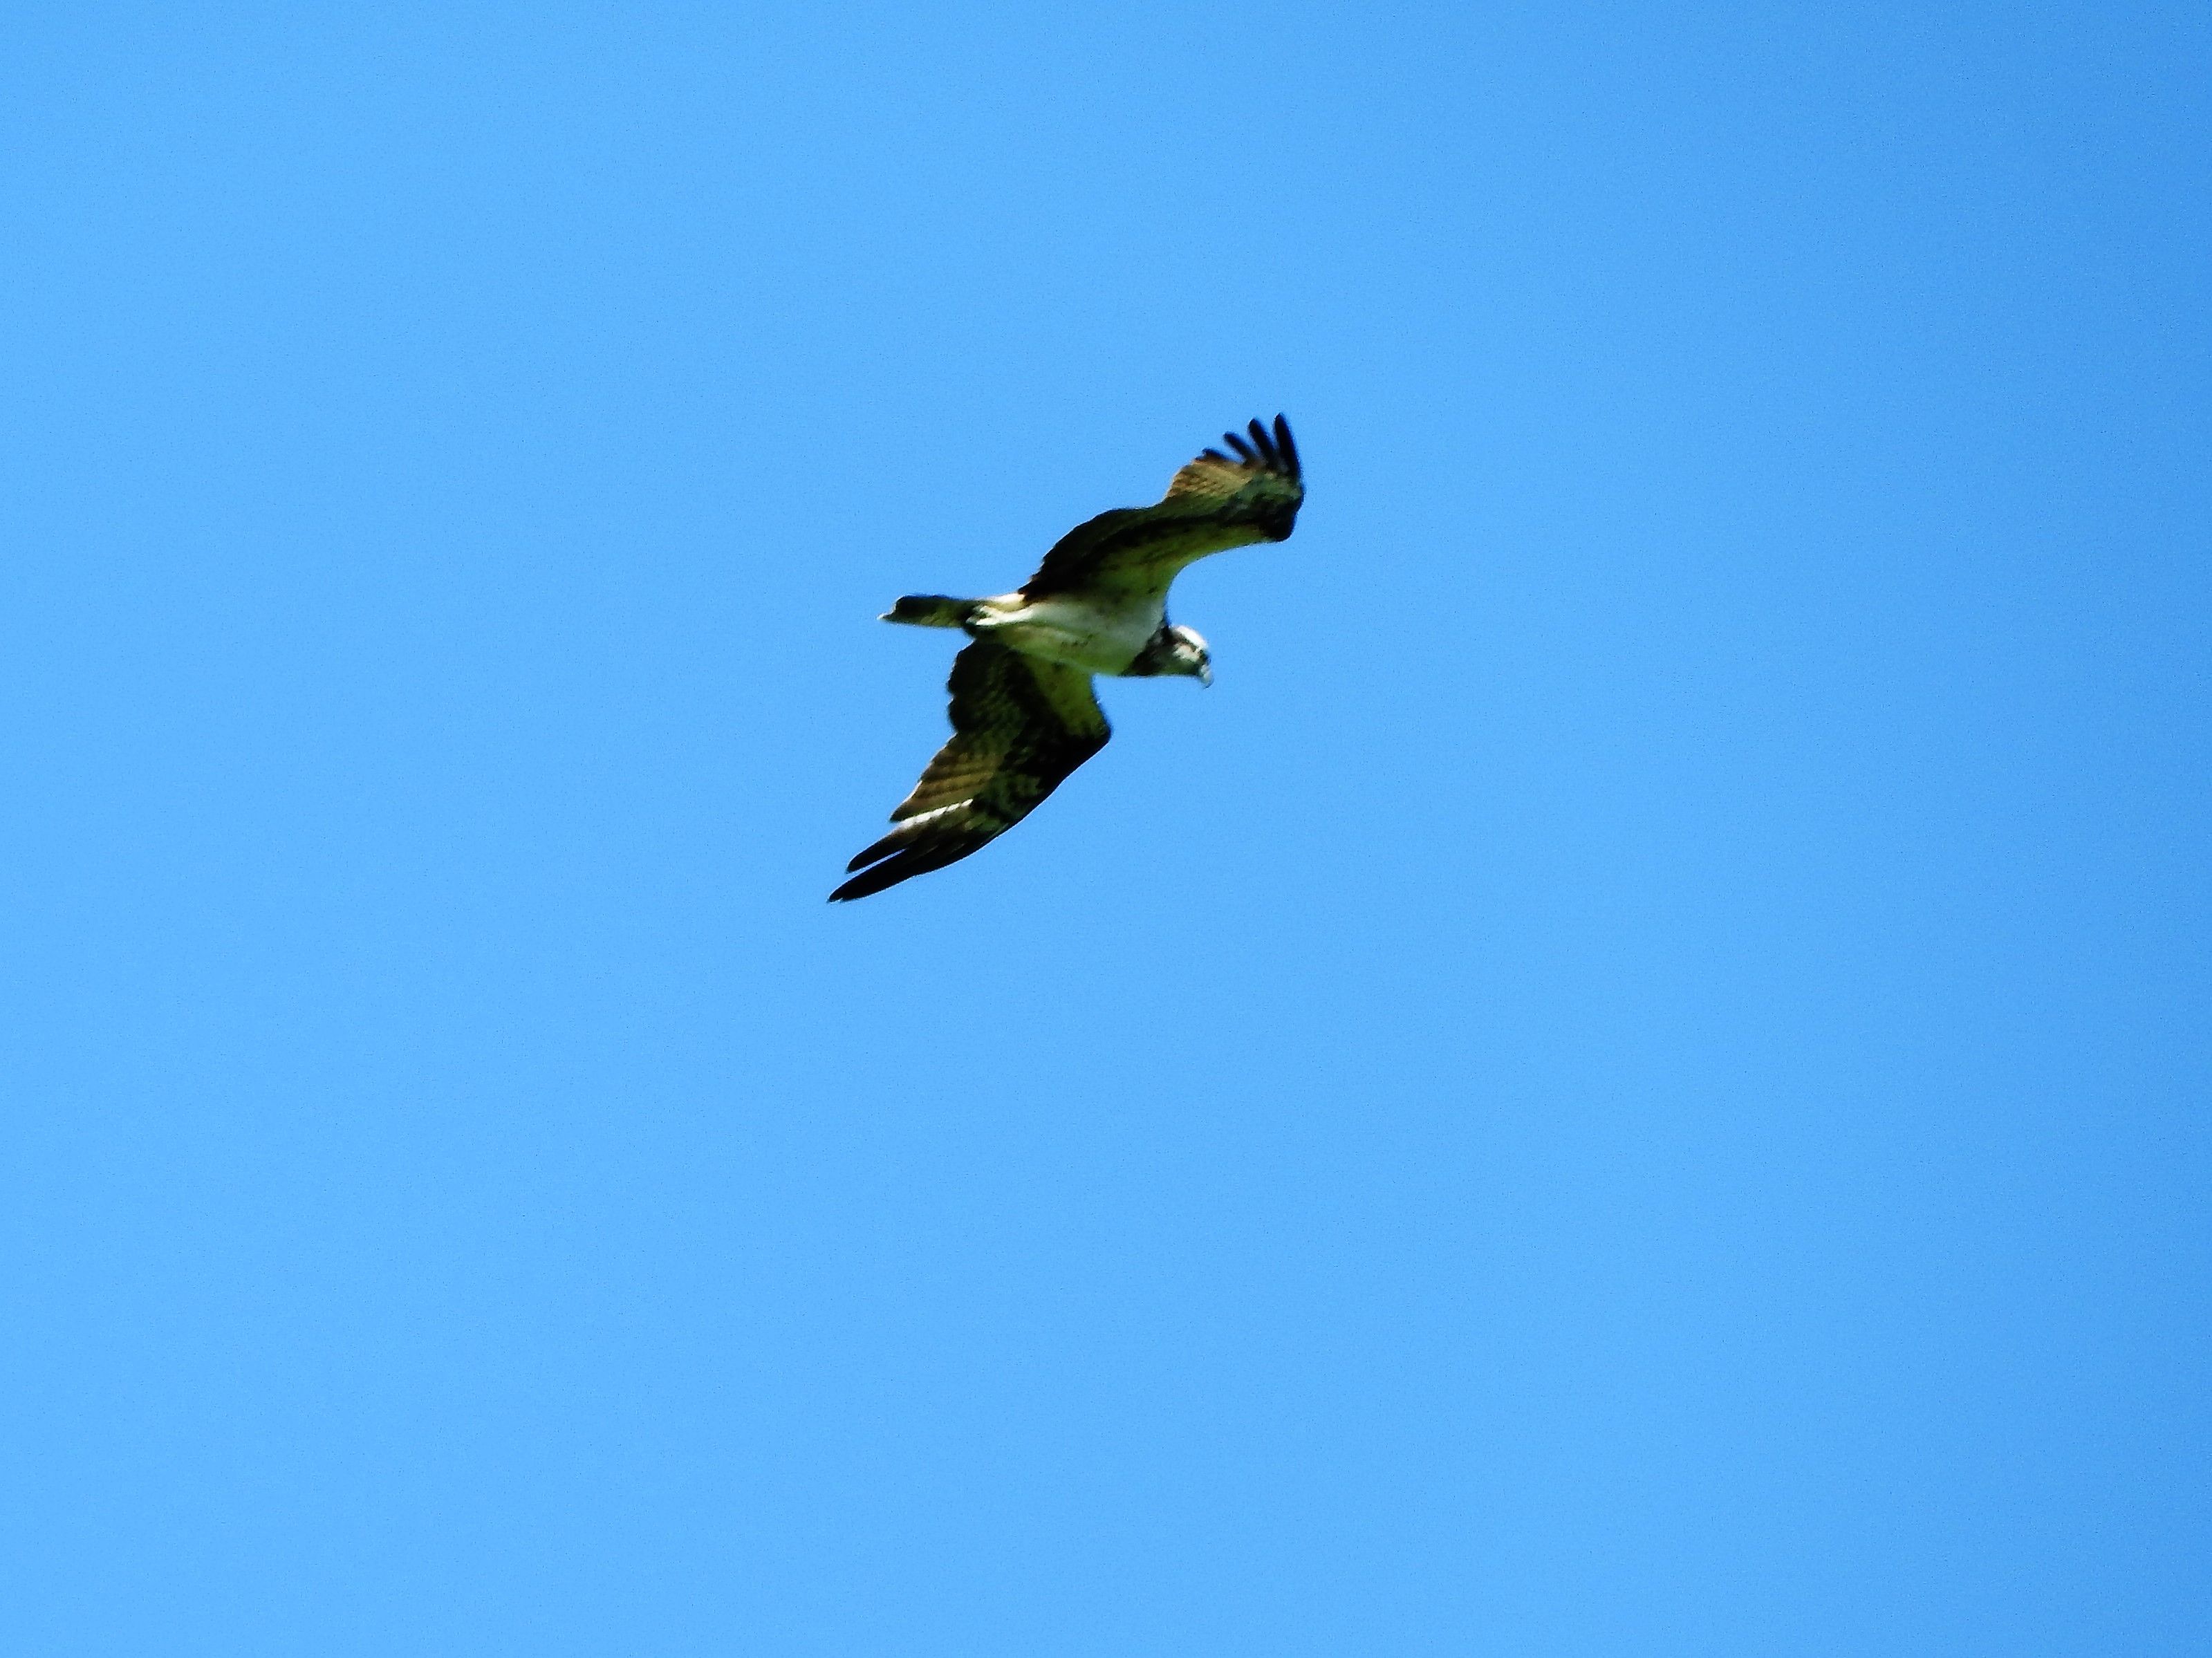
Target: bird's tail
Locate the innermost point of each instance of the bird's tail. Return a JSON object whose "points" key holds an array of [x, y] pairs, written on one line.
{"points": [[933, 610]]}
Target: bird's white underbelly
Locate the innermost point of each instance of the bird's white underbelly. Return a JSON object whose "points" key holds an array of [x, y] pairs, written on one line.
{"points": [[1080, 632]]}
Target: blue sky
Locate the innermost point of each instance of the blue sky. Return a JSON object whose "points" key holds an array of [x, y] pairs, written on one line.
{"points": [[1629, 1080]]}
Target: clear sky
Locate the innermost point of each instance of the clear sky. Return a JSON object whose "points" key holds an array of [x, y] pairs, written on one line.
{"points": [[1631, 1080]]}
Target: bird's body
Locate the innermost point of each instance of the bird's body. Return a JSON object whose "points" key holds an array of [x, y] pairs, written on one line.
{"points": [[1023, 715], [1096, 632]]}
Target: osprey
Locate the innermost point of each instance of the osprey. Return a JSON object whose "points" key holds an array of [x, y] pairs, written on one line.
{"points": [[1023, 715]]}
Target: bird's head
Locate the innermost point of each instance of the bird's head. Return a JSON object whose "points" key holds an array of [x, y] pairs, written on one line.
{"points": [[1174, 650], [1186, 655]]}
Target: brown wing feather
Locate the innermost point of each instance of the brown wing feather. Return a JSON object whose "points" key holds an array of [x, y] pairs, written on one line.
{"points": [[1019, 727], [1215, 502]]}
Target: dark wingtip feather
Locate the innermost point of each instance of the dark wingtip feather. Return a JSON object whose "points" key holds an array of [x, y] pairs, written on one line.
{"points": [[1244, 449], [888, 873], [1290, 450], [1215, 454], [1260, 439], [910, 862], [896, 841]]}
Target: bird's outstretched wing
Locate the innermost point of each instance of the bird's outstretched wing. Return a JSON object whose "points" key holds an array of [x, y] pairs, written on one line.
{"points": [[1019, 726], [1216, 502]]}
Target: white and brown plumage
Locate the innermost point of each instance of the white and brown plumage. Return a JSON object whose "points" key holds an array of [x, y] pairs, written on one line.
{"points": [[1023, 715]]}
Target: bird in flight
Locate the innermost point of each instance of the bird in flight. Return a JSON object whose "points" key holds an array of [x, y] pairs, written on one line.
{"points": [[1023, 715]]}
